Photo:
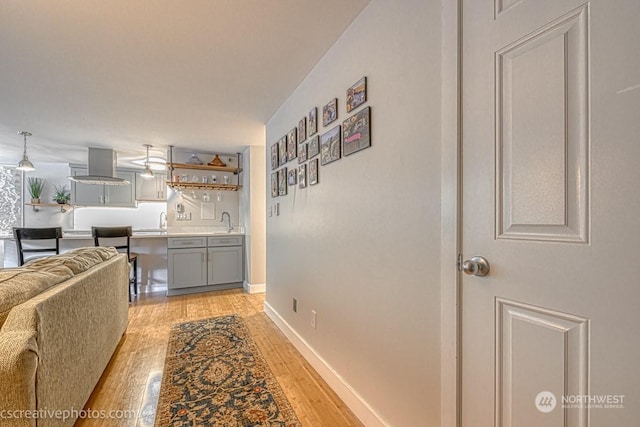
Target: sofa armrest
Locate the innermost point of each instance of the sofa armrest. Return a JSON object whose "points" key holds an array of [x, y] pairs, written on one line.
{"points": [[18, 364]]}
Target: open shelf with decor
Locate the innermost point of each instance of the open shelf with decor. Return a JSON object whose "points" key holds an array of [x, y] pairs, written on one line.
{"points": [[182, 181]]}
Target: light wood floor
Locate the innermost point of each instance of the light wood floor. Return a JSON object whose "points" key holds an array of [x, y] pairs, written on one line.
{"points": [[142, 351]]}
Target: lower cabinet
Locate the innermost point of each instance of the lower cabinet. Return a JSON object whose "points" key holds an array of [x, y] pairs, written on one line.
{"points": [[224, 265], [205, 264], [187, 267]]}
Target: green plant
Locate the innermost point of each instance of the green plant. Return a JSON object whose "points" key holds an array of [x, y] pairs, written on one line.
{"points": [[61, 194], [36, 185]]}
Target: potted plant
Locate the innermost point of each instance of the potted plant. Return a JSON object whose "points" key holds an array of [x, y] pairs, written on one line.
{"points": [[61, 195], [36, 185]]}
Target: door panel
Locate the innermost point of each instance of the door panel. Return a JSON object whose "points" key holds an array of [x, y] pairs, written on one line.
{"points": [[550, 101]]}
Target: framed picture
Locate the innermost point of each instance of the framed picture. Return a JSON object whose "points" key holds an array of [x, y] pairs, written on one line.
{"points": [[302, 130], [274, 156], [356, 132], [330, 146], [357, 94], [302, 176], [274, 184], [292, 145], [282, 149], [292, 176], [313, 147], [330, 112], [313, 172], [312, 123], [302, 153], [282, 182]]}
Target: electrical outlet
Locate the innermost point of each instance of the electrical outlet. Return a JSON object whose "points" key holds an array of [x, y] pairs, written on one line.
{"points": [[295, 305], [314, 319]]}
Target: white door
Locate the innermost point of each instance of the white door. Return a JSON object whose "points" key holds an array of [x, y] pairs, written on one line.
{"points": [[551, 198]]}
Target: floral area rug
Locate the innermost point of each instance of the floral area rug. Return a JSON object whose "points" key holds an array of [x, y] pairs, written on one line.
{"points": [[214, 375]]}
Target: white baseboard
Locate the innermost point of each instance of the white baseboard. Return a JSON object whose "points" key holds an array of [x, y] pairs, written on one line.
{"points": [[259, 288], [365, 413]]}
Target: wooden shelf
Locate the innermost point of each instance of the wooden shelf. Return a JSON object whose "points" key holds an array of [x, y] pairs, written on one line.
{"points": [[204, 167], [36, 206], [199, 186]]}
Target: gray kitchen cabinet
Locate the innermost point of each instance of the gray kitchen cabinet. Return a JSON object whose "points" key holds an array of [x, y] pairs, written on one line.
{"points": [[103, 195], [186, 268], [200, 263], [224, 265], [151, 190]]}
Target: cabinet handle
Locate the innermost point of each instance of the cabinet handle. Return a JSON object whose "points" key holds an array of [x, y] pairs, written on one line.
{"points": [[201, 257], [102, 200]]}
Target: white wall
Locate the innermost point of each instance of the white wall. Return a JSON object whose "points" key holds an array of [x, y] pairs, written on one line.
{"points": [[362, 247], [146, 215], [252, 214], [54, 174]]}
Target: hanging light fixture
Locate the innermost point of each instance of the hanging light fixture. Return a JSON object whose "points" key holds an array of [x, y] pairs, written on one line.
{"points": [[147, 173], [25, 164]]}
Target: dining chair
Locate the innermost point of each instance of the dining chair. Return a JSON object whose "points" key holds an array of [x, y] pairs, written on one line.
{"points": [[119, 233], [22, 234]]}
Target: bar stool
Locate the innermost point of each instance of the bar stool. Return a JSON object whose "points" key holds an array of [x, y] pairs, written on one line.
{"points": [[115, 233], [21, 234]]}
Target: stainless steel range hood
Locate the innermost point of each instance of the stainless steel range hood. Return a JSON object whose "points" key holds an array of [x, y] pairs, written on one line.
{"points": [[102, 168]]}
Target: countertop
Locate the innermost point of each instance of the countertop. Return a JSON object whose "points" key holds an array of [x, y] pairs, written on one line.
{"points": [[152, 233]]}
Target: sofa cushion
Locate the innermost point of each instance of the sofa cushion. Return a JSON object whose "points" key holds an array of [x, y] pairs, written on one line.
{"points": [[20, 284]]}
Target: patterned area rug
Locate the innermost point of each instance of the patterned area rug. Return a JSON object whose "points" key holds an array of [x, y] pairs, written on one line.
{"points": [[215, 375]]}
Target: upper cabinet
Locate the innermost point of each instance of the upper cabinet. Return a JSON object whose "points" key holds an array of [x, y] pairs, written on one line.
{"points": [[103, 195], [151, 190]]}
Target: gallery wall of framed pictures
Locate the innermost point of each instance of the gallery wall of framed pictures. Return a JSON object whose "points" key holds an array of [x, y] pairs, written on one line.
{"points": [[311, 148]]}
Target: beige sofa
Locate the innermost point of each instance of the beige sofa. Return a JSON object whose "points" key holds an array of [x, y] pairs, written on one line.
{"points": [[61, 318]]}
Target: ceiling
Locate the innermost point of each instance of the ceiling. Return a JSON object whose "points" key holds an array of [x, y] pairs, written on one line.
{"points": [[203, 74]]}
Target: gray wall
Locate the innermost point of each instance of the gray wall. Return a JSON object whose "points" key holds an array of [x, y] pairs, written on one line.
{"points": [[362, 247]]}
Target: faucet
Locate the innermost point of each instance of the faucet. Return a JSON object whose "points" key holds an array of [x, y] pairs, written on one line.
{"points": [[229, 227], [163, 222]]}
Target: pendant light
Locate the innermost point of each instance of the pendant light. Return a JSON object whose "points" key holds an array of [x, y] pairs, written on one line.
{"points": [[24, 164], [147, 173]]}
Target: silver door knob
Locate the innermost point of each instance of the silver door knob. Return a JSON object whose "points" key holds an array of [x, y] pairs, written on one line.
{"points": [[476, 266]]}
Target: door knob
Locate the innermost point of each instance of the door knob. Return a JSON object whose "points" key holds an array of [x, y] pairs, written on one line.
{"points": [[476, 266]]}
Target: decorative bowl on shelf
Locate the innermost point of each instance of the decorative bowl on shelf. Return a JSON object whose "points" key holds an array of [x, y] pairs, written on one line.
{"points": [[217, 162], [194, 160]]}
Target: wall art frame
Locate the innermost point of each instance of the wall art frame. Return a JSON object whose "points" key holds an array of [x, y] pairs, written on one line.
{"points": [[292, 144], [356, 132], [357, 94], [330, 112], [330, 146]]}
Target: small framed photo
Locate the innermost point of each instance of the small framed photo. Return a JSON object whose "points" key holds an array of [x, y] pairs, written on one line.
{"points": [[357, 94], [282, 182], [313, 172], [302, 130], [330, 146], [302, 176], [282, 149], [312, 123], [356, 132], [274, 156], [330, 112], [313, 147], [302, 153], [274, 184], [292, 176], [292, 145]]}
